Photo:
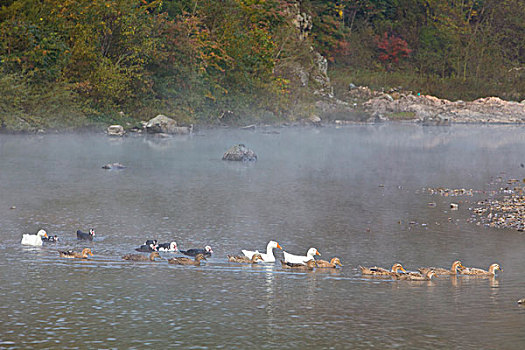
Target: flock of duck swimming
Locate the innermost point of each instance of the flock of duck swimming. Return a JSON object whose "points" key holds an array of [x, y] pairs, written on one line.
{"points": [[296, 262], [291, 261]]}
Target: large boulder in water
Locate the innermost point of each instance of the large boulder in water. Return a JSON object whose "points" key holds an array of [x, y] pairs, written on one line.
{"points": [[240, 153], [161, 124]]}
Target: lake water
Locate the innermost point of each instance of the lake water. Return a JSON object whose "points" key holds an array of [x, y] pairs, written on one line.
{"points": [[355, 192]]}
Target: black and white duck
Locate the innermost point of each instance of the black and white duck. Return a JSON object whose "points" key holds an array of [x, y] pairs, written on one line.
{"points": [[50, 239], [147, 248], [168, 247], [87, 236], [195, 251]]}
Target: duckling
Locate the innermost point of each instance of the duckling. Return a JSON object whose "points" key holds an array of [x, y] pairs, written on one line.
{"points": [[138, 257], [379, 271], [332, 264], [187, 261], [456, 266], [414, 276], [308, 266], [473, 271], [244, 259], [71, 254]]}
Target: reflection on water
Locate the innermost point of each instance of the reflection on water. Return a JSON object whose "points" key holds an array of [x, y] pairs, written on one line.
{"points": [[353, 192]]}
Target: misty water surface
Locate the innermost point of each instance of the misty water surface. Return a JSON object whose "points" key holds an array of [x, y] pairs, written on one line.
{"points": [[355, 192]]}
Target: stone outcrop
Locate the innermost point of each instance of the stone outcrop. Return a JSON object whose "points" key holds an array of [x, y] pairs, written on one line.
{"points": [[319, 74], [302, 22], [310, 70], [240, 153], [431, 110]]}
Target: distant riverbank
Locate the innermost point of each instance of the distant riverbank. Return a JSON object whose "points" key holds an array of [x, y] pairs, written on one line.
{"points": [[359, 104]]}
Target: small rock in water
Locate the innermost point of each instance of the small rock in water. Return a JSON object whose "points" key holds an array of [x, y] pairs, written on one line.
{"points": [[111, 166], [240, 153], [315, 120], [115, 130]]}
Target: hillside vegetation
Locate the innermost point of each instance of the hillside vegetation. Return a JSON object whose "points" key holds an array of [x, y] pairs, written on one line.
{"points": [[77, 63]]}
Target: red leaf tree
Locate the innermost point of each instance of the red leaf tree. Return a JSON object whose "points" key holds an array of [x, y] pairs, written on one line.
{"points": [[391, 48]]}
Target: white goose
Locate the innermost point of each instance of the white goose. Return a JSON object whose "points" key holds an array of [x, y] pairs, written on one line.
{"points": [[268, 257], [299, 259], [33, 239]]}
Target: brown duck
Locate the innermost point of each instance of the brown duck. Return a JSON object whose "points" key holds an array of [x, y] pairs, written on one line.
{"points": [[456, 266], [308, 266], [138, 257], [473, 271], [187, 261], [244, 259], [379, 271], [332, 264], [76, 255], [415, 276]]}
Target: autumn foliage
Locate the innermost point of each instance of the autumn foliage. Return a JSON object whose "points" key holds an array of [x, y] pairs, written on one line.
{"points": [[391, 48], [198, 58]]}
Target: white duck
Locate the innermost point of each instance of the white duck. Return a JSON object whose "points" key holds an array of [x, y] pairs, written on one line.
{"points": [[33, 239], [268, 257], [299, 259]]}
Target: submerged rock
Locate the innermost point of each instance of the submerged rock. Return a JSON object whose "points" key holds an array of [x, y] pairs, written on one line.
{"points": [[240, 153]]}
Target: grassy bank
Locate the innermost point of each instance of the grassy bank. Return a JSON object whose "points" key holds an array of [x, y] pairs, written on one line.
{"points": [[512, 88]]}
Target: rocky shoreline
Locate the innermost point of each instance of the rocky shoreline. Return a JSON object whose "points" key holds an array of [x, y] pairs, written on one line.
{"points": [[365, 105], [434, 111]]}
